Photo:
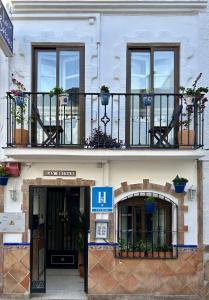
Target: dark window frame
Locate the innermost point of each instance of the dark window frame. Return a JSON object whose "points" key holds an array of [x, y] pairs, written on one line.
{"points": [[149, 47], [136, 201], [57, 48]]}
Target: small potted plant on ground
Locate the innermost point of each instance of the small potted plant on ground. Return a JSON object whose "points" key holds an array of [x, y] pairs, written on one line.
{"points": [[3, 176], [147, 97], [80, 231], [104, 95], [60, 93], [21, 135], [150, 204], [179, 184]]}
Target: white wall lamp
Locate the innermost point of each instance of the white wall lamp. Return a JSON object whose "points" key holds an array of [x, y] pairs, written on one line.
{"points": [[13, 192], [191, 193]]}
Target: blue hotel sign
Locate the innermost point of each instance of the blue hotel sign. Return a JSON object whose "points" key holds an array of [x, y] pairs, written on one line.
{"points": [[102, 199], [6, 31]]}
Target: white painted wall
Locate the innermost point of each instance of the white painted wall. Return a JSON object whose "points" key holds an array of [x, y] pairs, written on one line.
{"points": [[105, 63], [158, 172]]}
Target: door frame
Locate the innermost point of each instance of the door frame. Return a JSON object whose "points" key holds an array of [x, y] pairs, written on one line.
{"points": [[151, 47], [57, 48], [87, 190]]}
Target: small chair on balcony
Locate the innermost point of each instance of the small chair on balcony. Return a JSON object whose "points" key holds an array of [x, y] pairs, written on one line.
{"points": [[52, 131], [160, 133]]}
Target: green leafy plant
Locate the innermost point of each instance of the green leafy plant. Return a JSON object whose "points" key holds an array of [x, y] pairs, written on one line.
{"points": [[123, 245], [147, 91], [104, 89], [56, 91], [80, 232], [140, 246], [179, 180], [3, 172], [150, 199], [165, 248]]}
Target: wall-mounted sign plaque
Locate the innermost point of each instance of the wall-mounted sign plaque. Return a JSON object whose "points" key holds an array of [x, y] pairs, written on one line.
{"points": [[6, 31], [59, 173], [12, 222]]}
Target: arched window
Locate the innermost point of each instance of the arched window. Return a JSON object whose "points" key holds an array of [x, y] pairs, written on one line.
{"points": [[147, 225]]}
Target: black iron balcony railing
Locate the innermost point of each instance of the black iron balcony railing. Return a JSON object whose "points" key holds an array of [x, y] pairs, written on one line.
{"points": [[154, 245], [119, 121]]}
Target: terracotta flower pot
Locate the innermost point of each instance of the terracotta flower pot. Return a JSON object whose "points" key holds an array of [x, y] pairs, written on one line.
{"points": [[186, 139], [21, 137]]}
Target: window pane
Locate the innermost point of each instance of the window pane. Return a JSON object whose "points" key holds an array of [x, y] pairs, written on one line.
{"points": [[164, 71], [69, 69], [140, 80], [46, 70]]}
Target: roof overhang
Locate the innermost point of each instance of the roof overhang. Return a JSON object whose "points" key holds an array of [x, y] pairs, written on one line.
{"points": [[38, 8]]}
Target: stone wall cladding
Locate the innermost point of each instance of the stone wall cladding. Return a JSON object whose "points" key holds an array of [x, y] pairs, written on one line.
{"points": [[16, 270], [114, 276]]}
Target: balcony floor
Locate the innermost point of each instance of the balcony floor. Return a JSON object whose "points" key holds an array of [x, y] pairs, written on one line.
{"points": [[98, 155]]}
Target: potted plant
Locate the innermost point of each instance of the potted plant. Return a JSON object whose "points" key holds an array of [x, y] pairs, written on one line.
{"points": [[100, 139], [139, 249], [3, 176], [195, 100], [104, 95], [150, 205], [123, 248], [60, 93], [166, 251], [179, 184], [147, 96], [80, 232], [21, 135]]}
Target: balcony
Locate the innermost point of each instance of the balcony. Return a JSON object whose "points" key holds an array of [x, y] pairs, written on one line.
{"points": [[84, 121]]}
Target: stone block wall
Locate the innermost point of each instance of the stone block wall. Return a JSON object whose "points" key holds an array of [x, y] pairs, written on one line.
{"points": [[111, 275]]}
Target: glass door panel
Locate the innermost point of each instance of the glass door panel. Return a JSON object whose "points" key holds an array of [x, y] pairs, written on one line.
{"points": [[58, 119], [69, 78], [46, 80], [164, 84], [140, 80]]}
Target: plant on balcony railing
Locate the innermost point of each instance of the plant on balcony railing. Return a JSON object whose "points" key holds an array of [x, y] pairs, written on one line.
{"points": [[195, 101], [104, 94], [100, 139], [19, 98]]}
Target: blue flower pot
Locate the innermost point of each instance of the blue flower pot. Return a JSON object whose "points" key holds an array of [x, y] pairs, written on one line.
{"points": [[147, 99], [105, 98], [180, 188], [19, 100], [3, 180], [150, 207]]}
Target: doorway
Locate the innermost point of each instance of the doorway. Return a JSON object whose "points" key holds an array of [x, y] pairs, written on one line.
{"points": [[59, 223]]}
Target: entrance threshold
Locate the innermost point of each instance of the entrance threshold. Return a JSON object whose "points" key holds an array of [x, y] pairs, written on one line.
{"points": [[62, 284]]}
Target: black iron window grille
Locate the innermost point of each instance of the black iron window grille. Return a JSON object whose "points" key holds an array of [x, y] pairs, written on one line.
{"points": [[147, 227]]}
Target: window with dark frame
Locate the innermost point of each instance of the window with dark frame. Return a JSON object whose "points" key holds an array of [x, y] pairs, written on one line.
{"points": [[151, 69], [144, 234], [59, 66]]}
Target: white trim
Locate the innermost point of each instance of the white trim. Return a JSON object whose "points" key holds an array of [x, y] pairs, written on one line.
{"points": [[33, 8], [98, 155]]}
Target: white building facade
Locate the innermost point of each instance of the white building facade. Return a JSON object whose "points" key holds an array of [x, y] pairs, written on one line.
{"points": [[132, 144]]}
